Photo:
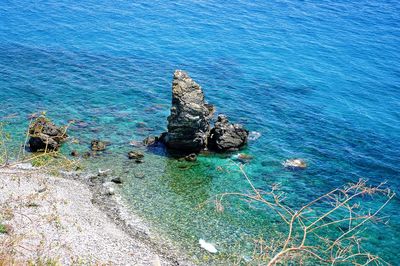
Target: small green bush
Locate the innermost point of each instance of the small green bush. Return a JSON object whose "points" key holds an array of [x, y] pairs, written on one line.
{"points": [[3, 229]]}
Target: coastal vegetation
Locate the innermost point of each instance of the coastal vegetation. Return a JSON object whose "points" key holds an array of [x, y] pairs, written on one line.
{"points": [[41, 146], [39, 210], [325, 231], [3, 228]]}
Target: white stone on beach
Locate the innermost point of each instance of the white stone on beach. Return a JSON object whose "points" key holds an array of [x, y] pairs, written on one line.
{"points": [[109, 188], [67, 216], [207, 246], [24, 166]]}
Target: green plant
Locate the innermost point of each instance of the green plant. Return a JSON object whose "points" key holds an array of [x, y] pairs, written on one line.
{"points": [[44, 262], [51, 160], [3, 229], [4, 139]]}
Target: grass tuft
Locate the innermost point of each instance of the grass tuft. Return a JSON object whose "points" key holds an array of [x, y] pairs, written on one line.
{"points": [[3, 229]]}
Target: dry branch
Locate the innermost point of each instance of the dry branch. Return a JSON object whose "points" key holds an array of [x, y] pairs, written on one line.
{"points": [[327, 229]]}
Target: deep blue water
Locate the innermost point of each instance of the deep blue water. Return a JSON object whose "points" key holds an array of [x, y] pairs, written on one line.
{"points": [[319, 80]]}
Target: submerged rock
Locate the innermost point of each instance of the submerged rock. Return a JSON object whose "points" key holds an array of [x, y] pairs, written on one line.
{"points": [[191, 157], [87, 154], [103, 173], [295, 164], [254, 135], [139, 175], [136, 143], [98, 145], [226, 136], [45, 135], [150, 140], [189, 121], [74, 153], [116, 180], [242, 157], [135, 155]]}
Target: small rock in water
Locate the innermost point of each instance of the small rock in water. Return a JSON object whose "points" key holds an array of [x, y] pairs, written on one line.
{"points": [[74, 153], [32, 116], [191, 157], [87, 154], [75, 141], [253, 135], [207, 246], [95, 129], [226, 136], [81, 124], [184, 166], [150, 140], [243, 157], [139, 175], [135, 143], [141, 124], [137, 155], [116, 180], [295, 164], [103, 172], [98, 145]]}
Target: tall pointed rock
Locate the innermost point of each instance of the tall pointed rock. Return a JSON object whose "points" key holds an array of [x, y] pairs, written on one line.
{"points": [[189, 121]]}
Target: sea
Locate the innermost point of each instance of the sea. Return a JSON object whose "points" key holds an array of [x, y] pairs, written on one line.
{"points": [[316, 80]]}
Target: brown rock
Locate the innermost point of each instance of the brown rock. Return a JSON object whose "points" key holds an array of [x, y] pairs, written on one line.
{"points": [[98, 145], [45, 135]]}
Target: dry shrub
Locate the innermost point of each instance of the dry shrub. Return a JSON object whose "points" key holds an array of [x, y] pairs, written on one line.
{"points": [[326, 231]]}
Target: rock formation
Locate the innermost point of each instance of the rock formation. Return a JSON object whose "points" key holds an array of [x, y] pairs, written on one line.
{"points": [[150, 141], [136, 155], [44, 135], [189, 122], [98, 145], [226, 136]]}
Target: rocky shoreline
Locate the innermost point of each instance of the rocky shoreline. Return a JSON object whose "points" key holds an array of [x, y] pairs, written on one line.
{"points": [[189, 127], [112, 228], [190, 131]]}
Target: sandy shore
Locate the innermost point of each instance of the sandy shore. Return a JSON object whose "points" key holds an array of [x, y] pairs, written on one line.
{"points": [[72, 219]]}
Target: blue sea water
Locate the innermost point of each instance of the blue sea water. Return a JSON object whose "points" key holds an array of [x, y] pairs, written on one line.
{"points": [[318, 80]]}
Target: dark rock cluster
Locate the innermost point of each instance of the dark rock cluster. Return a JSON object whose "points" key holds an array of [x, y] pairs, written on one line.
{"points": [[98, 145], [45, 135], [136, 155], [189, 127], [226, 136]]}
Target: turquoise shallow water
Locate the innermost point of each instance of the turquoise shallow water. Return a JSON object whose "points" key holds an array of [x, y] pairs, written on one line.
{"points": [[318, 80]]}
